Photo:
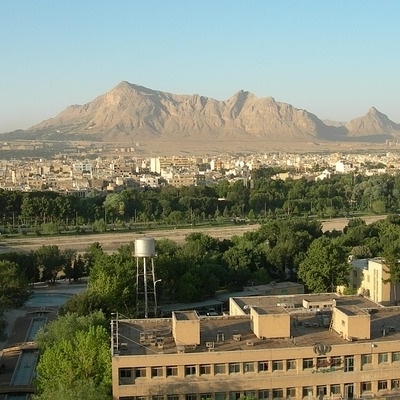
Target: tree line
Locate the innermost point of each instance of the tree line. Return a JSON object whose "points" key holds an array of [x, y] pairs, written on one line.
{"points": [[295, 249], [260, 197], [292, 249]]}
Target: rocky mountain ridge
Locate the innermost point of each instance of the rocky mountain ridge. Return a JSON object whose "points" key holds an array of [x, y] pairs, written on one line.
{"points": [[130, 112]]}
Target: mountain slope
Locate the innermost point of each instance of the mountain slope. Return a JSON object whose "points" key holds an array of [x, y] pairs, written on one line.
{"points": [[373, 123], [131, 112], [134, 110]]}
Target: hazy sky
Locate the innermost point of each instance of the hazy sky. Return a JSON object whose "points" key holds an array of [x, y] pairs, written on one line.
{"points": [[334, 58]]}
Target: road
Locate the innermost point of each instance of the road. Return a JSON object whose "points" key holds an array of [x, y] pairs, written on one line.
{"points": [[113, 240]]}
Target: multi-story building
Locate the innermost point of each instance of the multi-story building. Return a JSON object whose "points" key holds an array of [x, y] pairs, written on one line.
{"points": [[371, 278], [269, 347]]}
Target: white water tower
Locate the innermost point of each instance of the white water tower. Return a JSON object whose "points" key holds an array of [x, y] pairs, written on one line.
{"points": [[146, 297]]}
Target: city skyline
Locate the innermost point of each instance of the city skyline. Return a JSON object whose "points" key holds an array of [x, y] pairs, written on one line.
{"points": [[334, 59]]}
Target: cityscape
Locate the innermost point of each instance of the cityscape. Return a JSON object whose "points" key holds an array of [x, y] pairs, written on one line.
{"points": [[199, 200]]}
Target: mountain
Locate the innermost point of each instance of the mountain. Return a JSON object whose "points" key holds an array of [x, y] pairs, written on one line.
{"points": [[373, 123], [130, 112], [134, 110]]}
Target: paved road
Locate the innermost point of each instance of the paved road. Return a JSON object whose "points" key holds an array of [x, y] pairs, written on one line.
{"points": [[113, 240]]}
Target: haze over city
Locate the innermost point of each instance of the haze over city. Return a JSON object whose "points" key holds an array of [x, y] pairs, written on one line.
{"points": [[334, 59]]}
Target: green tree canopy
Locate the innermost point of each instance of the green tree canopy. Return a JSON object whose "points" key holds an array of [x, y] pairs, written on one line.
{"points": [[14, 287], [325, 266], [82, 357]]}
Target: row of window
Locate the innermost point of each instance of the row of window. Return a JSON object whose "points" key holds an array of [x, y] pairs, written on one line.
{"points": [[263, 394], [278, 393], [234, 368], [346, 362]]}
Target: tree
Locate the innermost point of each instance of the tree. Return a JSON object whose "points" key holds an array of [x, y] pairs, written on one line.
{"points": [[391, 254], [14, 287], [325, 266], [50, 262], [83, 357], [81, 389], [66, 327]]}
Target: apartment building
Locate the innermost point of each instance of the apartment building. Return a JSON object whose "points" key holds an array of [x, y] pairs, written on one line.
{"points": [[371, 278], [324, 346]]}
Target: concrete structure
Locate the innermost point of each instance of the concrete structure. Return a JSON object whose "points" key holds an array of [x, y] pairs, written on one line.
{"points": [[268, 347], [370, 277]]}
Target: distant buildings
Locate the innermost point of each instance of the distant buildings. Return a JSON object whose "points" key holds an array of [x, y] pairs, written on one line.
{"points": [[113, 171]]}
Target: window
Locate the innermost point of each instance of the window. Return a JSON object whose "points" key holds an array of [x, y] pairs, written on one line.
{"points": [[335, 389], [321, 390], [156, 372], [219, 368], [322, 362], [157, 397], [250, 394], [308, 363], [396, 356], [172, 396], [348, 364], [172, 370], [263, 394], [140, 373], [234, 395], [277, 393], [307, 391], [190, 370], [263, 366], [291, 393], [220, 396], [382, 385], [277, 365], [383, 358], [205, 369], [140, 398], [336, 361], [234, 368], [191, 397], [395, 384], [348, 390], [290, 364], [366, 359], [206, 396], [366, 386], [125, 376], [248, 367], [125, 372]]}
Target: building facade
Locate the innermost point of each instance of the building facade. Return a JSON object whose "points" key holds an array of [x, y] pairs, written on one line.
{"points": [[269, 347]]}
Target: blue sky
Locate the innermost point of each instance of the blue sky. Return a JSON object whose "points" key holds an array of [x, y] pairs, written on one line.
{"points": [[335, 58]]}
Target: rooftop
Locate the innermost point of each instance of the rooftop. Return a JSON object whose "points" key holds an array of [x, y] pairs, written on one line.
{"points": [[308, 326]]}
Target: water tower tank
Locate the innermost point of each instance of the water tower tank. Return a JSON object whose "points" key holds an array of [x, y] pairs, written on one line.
{"points": [[145, 247]]}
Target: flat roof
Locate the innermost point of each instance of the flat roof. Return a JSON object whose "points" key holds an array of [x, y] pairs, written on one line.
{"points": [[293, 304], [234, 333]]}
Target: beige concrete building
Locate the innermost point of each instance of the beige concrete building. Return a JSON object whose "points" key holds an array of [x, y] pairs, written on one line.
{"points": [[269, 347], [370, 277]]}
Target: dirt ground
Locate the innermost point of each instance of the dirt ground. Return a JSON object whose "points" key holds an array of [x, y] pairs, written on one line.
{"points": [[113, 240]]}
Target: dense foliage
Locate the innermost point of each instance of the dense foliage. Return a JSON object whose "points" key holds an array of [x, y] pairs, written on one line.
{"points": [[261, 197], [75, 358], [14, 287]]}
